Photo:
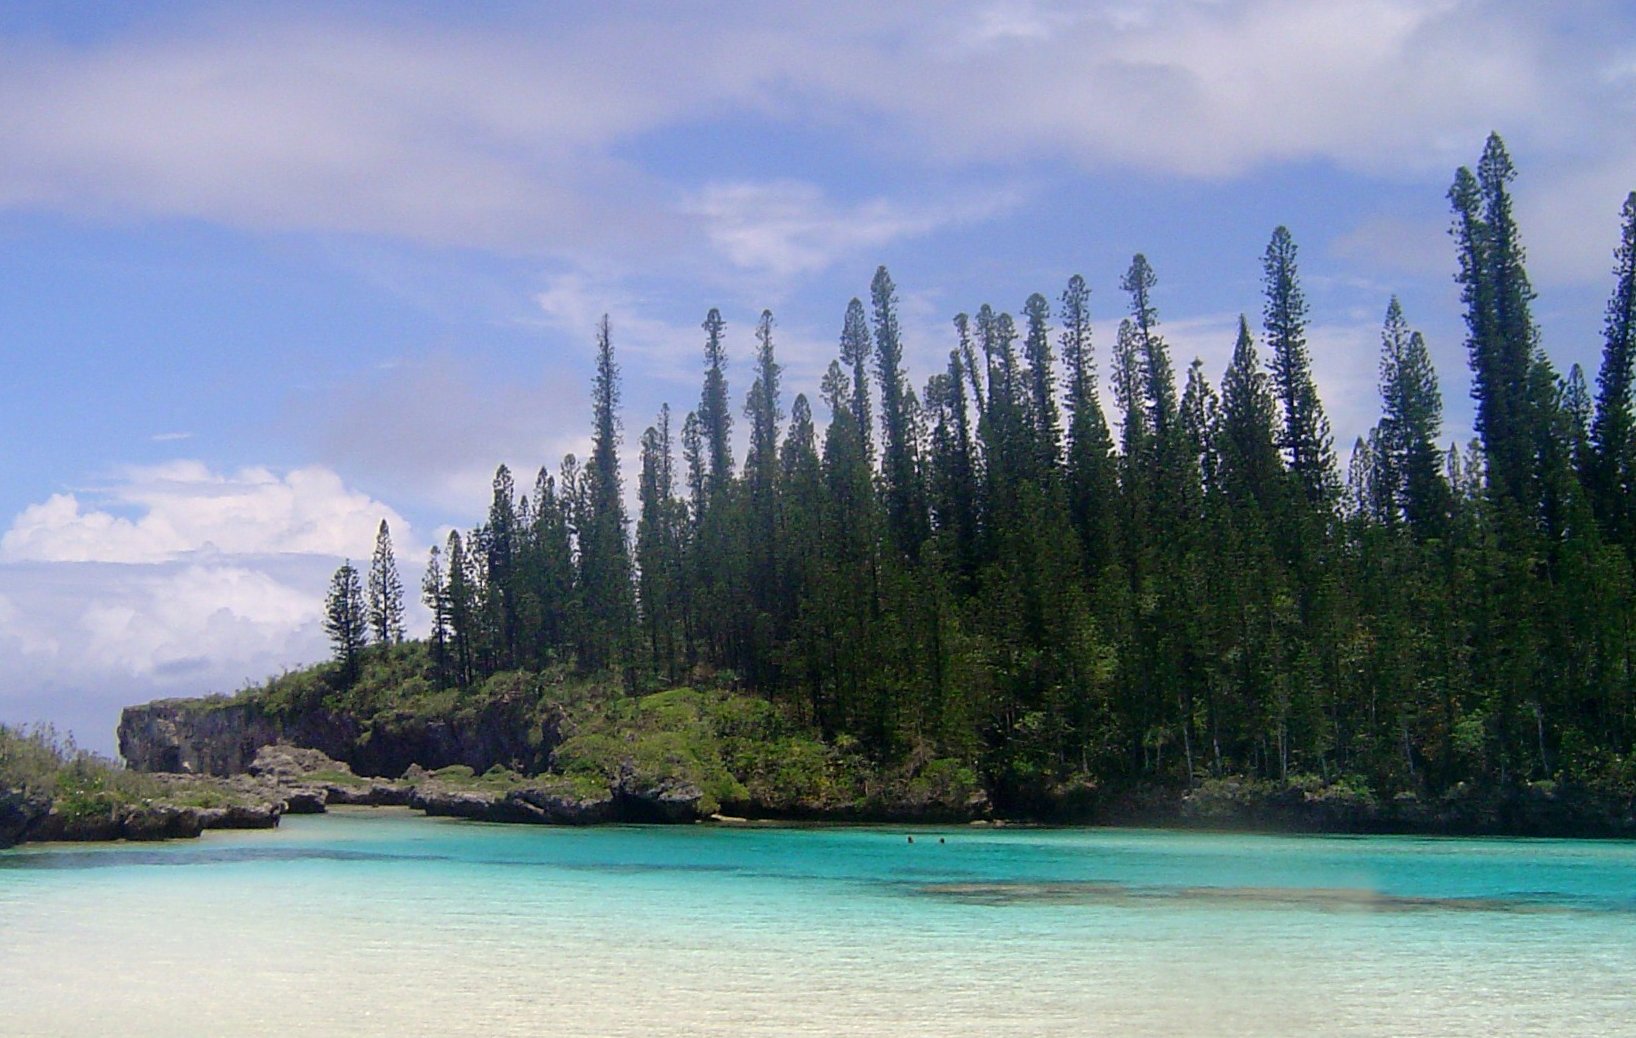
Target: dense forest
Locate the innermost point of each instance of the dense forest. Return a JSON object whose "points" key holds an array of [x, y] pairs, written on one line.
{"points": [[992, 570]]}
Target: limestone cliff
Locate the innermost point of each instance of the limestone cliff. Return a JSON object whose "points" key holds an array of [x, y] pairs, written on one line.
{"points": [[222, 737]]}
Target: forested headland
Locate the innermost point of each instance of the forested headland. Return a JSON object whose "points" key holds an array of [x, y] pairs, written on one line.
{"points": [[985, 566]]}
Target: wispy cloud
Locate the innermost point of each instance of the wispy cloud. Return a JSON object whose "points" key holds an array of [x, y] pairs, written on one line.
{"points": [[790, 227], [496, 136]]}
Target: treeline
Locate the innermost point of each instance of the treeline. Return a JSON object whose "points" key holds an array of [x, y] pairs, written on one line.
{"points": [[982, 570]]}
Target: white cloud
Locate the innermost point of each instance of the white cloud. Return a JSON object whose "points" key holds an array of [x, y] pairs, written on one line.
{"points": [[79, 641], [517, 135], [199, 616], [1570, 219], [789, 227], [324, 124], [183, 507], [177, 581]]}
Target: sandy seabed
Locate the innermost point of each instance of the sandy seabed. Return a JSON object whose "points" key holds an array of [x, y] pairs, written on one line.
{"points": [[351, 926]]}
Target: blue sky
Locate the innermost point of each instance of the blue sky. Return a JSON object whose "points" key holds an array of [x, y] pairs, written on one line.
{"points": [[273, 272]]}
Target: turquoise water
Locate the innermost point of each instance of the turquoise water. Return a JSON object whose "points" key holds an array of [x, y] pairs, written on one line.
{"points": [[386, 923]]}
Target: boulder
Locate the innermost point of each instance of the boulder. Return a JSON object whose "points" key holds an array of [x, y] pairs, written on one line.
{"points": [[669, 801], [160, 821], [241, 816], [20, 811], [565, 808]]}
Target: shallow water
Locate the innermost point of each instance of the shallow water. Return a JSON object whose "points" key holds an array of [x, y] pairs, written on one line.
{"points": [[386, 923]]}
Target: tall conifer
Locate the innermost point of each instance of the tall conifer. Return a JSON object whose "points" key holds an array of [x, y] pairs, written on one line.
{"points": [[385, 591]]}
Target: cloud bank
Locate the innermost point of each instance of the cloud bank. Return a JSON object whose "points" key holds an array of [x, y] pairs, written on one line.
{"points": [[543, 133], [209, 581]]}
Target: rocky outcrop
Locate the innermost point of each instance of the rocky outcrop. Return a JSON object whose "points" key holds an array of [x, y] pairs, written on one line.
{"points": [[222, 737], [1539, 809], [204, 737], [157, 820], [20, 812], [308, 781], [555, 801], [544, 801]]}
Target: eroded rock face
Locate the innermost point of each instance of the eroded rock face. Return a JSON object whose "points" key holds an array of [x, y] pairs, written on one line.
{"points": [[155, 821], [667, 801], [173, 735], [19, 813], [204, 738]]}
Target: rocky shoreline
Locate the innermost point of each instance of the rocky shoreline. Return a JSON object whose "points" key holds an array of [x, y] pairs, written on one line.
{"points": [[674, 758], [282, 779]]}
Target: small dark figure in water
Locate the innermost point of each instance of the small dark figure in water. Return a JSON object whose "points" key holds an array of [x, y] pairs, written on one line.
{"points": [[940, 839], [911, 839]]}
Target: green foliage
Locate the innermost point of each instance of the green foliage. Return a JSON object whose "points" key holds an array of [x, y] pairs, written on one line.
{"points": [[982, 596], [81, 785], [30, 760], [659, 739], [346, 621]]}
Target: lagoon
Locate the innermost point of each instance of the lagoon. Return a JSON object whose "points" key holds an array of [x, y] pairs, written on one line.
{"points": [[382, 922]]}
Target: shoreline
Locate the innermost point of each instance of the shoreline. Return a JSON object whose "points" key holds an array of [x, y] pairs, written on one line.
{"points": [[1547, 817]]}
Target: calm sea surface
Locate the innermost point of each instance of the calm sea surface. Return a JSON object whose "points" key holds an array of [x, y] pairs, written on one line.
{"points": [[386, 923]]}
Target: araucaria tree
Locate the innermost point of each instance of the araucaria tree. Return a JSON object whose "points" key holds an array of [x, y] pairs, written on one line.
{"points": [[605, 564], [385, 592], [1305, 439], [1611, 479], [1500, 332], [344, 621]]}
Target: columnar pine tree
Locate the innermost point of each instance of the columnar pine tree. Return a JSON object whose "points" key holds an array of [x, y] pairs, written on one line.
{"points": [[954, 493], [1042, 396], [659, 542], [463, 619], [1158, 378], [1611, 480], [604, 555], [385, 591], [345, 622], [549, 574], [762, 497], [434, 595], [1305, 438], [715, 421], [1250, 467], [855, 354], [1500, 328], [500, 541], [1091, 469], [1408, 483], [905, 507]]}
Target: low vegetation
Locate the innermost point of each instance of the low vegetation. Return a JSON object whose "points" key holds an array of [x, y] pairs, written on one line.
{"points": [[41, 762]]}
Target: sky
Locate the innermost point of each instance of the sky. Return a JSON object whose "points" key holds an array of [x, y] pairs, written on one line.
{"points": [[272, 273]]}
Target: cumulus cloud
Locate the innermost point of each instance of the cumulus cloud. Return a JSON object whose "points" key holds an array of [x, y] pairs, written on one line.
{"points": [[184, 507], [78, 641], [174, 580], [179, 620]]}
